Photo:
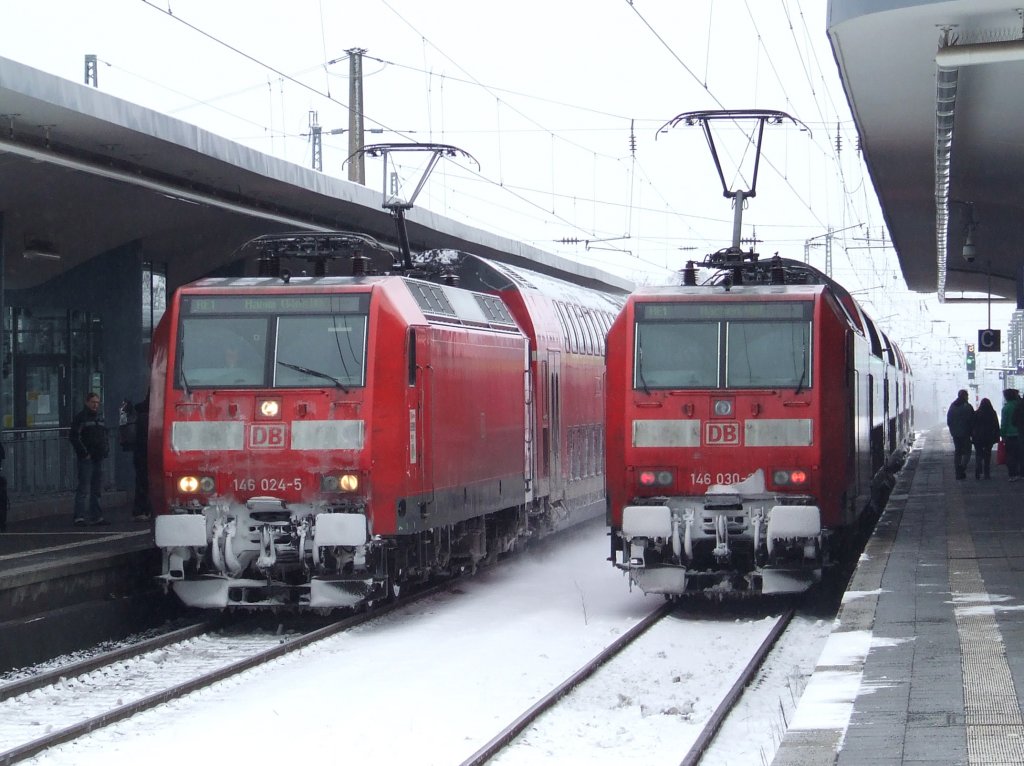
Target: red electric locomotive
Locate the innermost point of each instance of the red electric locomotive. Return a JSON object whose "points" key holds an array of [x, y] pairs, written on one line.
{"points": [[751, 422], [321, 441]]}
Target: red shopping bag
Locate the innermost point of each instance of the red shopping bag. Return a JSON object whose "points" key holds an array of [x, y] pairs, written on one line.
{"points": [[1001, 453]]}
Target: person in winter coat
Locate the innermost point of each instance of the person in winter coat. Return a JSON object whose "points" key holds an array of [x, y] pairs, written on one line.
{"points": [[88, 437], [984, 434], [960, 421], [1011, 435]]}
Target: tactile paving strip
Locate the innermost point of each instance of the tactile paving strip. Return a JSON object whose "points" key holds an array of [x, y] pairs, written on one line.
{"points": [[995, 730]]}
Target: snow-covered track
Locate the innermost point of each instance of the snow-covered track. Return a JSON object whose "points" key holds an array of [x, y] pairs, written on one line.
{"points": [[514, 729], [157, 676], [87, 665], [496, 747], [714, 723]]}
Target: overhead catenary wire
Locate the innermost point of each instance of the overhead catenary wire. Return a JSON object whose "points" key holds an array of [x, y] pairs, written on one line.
{"points": [[299, 82], [636, 183]]}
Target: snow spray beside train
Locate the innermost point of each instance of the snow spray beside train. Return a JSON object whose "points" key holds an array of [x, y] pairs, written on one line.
{"points": [[320, 441]]}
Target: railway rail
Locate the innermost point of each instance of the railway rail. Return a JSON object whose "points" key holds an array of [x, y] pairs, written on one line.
{"points": [[507, 735], [714, 723], [51, 676], [673, 702], [92, 692]]}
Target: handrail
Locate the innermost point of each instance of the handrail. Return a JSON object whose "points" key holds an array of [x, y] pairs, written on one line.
{"points": [[41, 461], [13, 433]]}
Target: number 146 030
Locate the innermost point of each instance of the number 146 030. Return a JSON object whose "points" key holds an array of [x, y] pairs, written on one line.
{"points": [[706, 477]]}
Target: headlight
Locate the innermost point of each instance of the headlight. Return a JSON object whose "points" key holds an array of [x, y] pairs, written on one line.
{"points": [[722, 408], [269, 408], [190, 485], [345, 482]]}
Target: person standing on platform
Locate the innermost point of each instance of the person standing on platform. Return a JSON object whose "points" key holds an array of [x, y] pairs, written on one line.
{"points": [[88, 437], [984, 434], [960, 420], [1011, 435]]}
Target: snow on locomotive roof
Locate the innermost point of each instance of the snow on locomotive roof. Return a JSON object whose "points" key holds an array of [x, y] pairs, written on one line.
{"points": [[441, 303], [736, 290], [448, 304], [294, 281], [482, 274]]}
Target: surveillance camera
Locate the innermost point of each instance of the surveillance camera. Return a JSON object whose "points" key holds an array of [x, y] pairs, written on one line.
{"points": [[969, 251]]}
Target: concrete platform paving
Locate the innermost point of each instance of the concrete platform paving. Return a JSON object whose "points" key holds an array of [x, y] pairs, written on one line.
{"points": [[925, 663]]}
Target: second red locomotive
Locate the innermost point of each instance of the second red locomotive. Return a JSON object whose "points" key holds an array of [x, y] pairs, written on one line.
{"points": [[322, 440], [751, 422]]}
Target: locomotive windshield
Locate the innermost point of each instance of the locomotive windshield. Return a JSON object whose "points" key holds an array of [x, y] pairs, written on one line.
{"points": [[294, 341], [723, 345]]}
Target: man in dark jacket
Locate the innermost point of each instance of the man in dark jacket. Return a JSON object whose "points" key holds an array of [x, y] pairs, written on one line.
{"points": [[960, 421], [88, 437]]}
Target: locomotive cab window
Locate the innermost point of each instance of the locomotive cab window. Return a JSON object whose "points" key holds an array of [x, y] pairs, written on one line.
{"points": [[288, 341], [319, 349], [722, 345]]}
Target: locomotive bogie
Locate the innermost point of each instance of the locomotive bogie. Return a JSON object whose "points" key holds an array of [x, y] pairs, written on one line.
{"points": [[226, 557], [704, 547]]}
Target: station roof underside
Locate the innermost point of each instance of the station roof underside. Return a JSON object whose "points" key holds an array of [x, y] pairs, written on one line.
{"points": [[85, 173], [935, 88]]}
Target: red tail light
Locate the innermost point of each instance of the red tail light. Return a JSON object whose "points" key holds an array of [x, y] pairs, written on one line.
{"points": [[656, 477], [789, 477]]}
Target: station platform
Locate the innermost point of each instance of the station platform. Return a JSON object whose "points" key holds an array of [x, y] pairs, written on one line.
{"points": [[925, 662], [62, 585]]}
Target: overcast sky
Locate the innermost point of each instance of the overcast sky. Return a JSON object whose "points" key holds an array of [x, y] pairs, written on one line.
{"points": [[559, 102]]}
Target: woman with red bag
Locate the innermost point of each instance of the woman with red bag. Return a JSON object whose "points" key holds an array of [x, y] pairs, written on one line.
{"points": [[984, 433]]}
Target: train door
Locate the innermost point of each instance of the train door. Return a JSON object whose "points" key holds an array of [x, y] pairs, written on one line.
{"points": [[852, 426], [890, 429], [554, 410], [421, 414], [877, 435], [530, 427], [542, 407]]}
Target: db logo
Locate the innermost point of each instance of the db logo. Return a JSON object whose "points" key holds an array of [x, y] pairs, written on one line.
{"points": [[262, 435], [722, 433]]}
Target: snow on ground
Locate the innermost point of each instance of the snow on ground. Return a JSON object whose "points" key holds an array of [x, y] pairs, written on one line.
{"points": [[754, 730], [433, 683]]}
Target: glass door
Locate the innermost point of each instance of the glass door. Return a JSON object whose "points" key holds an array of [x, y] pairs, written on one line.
{"points": [[40, 391]]}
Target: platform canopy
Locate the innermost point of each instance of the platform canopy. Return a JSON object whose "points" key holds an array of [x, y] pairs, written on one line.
{"points": [[936, 90], [83, 173]]}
